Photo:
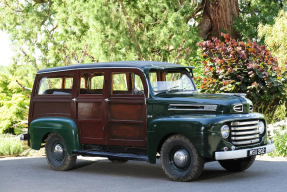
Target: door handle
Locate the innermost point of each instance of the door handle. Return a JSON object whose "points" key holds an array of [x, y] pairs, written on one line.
{"points": [[74, 99], [107, 100]]}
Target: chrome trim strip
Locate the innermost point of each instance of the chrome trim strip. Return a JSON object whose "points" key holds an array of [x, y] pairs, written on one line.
{"points": [[242, 153], [206, 107], [244, 128], [245, 137], [190, 105], [245, 142], [234, 94], [238, 110], [245, 132], [238, 123], [173, 109]]}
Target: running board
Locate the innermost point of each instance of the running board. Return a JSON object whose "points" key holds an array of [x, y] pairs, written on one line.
{"points": [[126, 156]]}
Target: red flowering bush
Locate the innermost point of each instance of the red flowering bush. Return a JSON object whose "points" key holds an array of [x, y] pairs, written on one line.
{"points": [[238, 67]]}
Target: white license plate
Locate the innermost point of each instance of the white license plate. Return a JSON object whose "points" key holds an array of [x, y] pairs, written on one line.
{"points": [[257, 151]]}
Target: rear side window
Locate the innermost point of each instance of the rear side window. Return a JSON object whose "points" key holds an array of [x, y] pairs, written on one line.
{"points": [[56, 85], [127, 83], [92, 83]]}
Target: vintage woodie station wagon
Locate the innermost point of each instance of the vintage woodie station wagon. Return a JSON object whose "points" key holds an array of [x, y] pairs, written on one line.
{"points": [[142, 110]]}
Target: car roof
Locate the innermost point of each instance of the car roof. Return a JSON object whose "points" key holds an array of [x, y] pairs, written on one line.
{"points": [[117, 64]]}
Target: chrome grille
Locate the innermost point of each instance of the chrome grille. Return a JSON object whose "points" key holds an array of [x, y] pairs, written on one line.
{"points": [[238, 108], [244, 132]]}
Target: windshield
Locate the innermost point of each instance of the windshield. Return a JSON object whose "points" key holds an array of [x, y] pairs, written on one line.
{"points": [[170, 80]]}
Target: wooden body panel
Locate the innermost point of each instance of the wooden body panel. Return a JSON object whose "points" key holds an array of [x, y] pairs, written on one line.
{"points": [[89, 118], [102, 117], [126, 121]]}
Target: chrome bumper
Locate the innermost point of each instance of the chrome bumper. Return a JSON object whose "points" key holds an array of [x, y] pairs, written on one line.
{"points": [[236, 154]]}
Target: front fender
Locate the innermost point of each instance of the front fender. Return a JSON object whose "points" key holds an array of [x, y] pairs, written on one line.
{"points": [[202, 130], [65, 127]]}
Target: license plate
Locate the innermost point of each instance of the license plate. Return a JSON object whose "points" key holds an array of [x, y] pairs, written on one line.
{"points": [[257, 151]]}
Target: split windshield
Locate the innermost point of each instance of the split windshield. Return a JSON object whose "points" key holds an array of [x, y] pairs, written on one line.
{"points": [[168, 80]]}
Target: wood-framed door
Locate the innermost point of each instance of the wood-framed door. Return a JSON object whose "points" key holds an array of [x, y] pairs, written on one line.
{"points": [[90, 107], [126, 108]]}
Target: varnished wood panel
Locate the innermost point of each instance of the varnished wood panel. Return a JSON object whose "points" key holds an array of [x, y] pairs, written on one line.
{"points": [[41, 108], [89, 110], [92, 130], [126, 111], [127, 131]]}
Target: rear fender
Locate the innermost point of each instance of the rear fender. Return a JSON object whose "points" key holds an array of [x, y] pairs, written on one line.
{"points": [[65, 127]]}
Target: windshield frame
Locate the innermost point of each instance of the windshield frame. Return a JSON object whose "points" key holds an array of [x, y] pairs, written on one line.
{"points": [[186, 71]]}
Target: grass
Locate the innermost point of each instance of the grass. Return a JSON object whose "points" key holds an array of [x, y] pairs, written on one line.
{"points": [[10, 145]]}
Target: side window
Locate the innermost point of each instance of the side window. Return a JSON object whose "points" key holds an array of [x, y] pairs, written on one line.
{"points": [[92, 83], [68, 83], [120, 82], [138, 85], [127, 83], [56, 85], [153, 80]]}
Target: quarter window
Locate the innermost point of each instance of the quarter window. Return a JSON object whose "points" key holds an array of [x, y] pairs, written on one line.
{"points": [[56, 85]]}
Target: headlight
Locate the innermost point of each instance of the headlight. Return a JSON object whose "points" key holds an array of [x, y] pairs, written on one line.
{"points": [[224, 131], [261, 127]]}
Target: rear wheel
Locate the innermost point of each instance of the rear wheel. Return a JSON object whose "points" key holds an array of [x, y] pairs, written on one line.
{"points": [[56, 153], [237, 165], [180, 160]]}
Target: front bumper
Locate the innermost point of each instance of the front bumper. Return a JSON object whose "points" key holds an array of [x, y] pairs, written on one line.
{"points": [[236, 154]]}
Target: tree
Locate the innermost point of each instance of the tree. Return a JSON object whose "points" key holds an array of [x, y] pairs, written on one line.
{"points": [[275, 37], [13, 103], [49, 33], [254, 12], [218, 16]]}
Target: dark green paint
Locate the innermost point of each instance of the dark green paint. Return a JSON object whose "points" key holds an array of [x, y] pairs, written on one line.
{"points": [[65, 127], [202, 130]]}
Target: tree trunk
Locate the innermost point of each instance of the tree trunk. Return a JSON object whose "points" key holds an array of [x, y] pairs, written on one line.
{"points": [[218, 16]]}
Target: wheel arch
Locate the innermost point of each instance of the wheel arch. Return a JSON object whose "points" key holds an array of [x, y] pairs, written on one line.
{"points": [[161, 129], [40, 128], [163, 140]]}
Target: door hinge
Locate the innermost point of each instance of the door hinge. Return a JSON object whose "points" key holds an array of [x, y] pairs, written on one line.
{"points": [[103, 128]]}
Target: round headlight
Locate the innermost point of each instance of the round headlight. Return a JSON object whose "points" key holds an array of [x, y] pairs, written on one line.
{"points": [[261, 127], [224, 131]]}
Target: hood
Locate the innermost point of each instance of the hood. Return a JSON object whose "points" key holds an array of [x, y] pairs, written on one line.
{"points": [[199, 102]]}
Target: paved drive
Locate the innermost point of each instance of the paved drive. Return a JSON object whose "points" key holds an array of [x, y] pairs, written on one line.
{"points": [[98, 174]]}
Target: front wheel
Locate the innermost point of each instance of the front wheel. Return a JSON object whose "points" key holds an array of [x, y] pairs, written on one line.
{"points": [[180, 160], [237, 165], [56, 153]]}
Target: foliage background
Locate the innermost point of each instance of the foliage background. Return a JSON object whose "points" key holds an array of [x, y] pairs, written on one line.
{"points": [[48, 33]]}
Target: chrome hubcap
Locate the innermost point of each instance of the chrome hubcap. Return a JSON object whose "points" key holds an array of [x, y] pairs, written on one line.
{"points": [[181, 158], [58, 152]]}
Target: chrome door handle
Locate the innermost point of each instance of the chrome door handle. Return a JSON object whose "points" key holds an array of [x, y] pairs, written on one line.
{"points": [[107, 100], [74, 99]]}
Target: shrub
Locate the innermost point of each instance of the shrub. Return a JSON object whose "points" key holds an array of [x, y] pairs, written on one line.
{"points": [[10, 145], [280, 145], [238, 67]]}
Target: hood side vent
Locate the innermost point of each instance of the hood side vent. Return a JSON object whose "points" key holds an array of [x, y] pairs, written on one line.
{"points": [[238, 108], [192, 107]]}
